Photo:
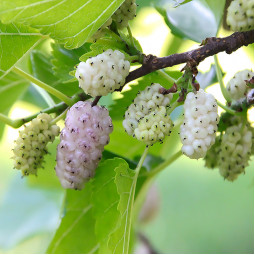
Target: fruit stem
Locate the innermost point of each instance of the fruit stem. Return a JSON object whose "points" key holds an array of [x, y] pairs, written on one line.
{"points": [[164, 75], [58, 108], [227, 109], [137, 170], [173, 106], [7, 120], [163, 165], [220, 80], [131, 36], [59, 117], [43, 85]]}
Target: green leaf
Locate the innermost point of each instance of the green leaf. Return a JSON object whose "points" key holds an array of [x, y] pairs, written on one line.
{"points": [[217, 7], [64, 60], [12, 88], [125, 181], [118, 109], [185, 21], [42, 69], [15, 41], [104, 44], [76, 232], [105, 200], [68, 22], [26, 212], [208, 78]]}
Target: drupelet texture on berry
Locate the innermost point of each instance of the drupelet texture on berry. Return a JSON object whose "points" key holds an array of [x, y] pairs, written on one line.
{"points": [[240, 15], [235, 151], [31, 145], [103, 74], [126, 12], [82, 141], [237, 87], [199, 127], [146, 119]]}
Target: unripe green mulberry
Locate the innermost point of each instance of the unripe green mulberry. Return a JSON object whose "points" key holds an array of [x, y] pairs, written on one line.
{"points": [[236, 149], [146, 118], [154, 126], [126, 12], [31, 144], [240, 15], [211, 157]]}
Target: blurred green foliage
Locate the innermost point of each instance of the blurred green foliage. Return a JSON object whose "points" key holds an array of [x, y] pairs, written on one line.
{"points": [[199, 213]]}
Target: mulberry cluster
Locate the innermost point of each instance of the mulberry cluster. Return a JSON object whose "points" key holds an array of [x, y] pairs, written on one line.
{"points": [[240, 15], [146, 119], [126, 12], [82, 141], [235, 151], [103, 74], [31, 144], [237, 87], [199, 128], [154, 126]]}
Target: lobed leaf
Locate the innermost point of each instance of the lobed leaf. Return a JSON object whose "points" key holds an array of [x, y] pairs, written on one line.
{"points": [[69, 22]]}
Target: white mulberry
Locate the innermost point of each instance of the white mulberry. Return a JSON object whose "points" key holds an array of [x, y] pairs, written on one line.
{"points": [[199, 128], [31, 144], [236, 149], [144, 110], [103, 74], [126, 12], [81, 144], [237, 87], [240, 15]]}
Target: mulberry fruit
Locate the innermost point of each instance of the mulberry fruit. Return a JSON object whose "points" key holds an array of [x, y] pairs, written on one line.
{"points": [[236, 149], [199, 128], [82, 141], [126, 12], [103, 74], [237, 87], [31, 144], [211, 157], [146, 119], [240, 15], [100, 32]]}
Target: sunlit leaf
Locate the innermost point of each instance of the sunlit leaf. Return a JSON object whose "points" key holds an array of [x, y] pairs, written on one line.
{"points": [[15, 42], [68, 22]]}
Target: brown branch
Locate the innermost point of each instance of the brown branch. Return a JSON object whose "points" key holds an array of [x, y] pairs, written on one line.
{"points": [[210, 47]]}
